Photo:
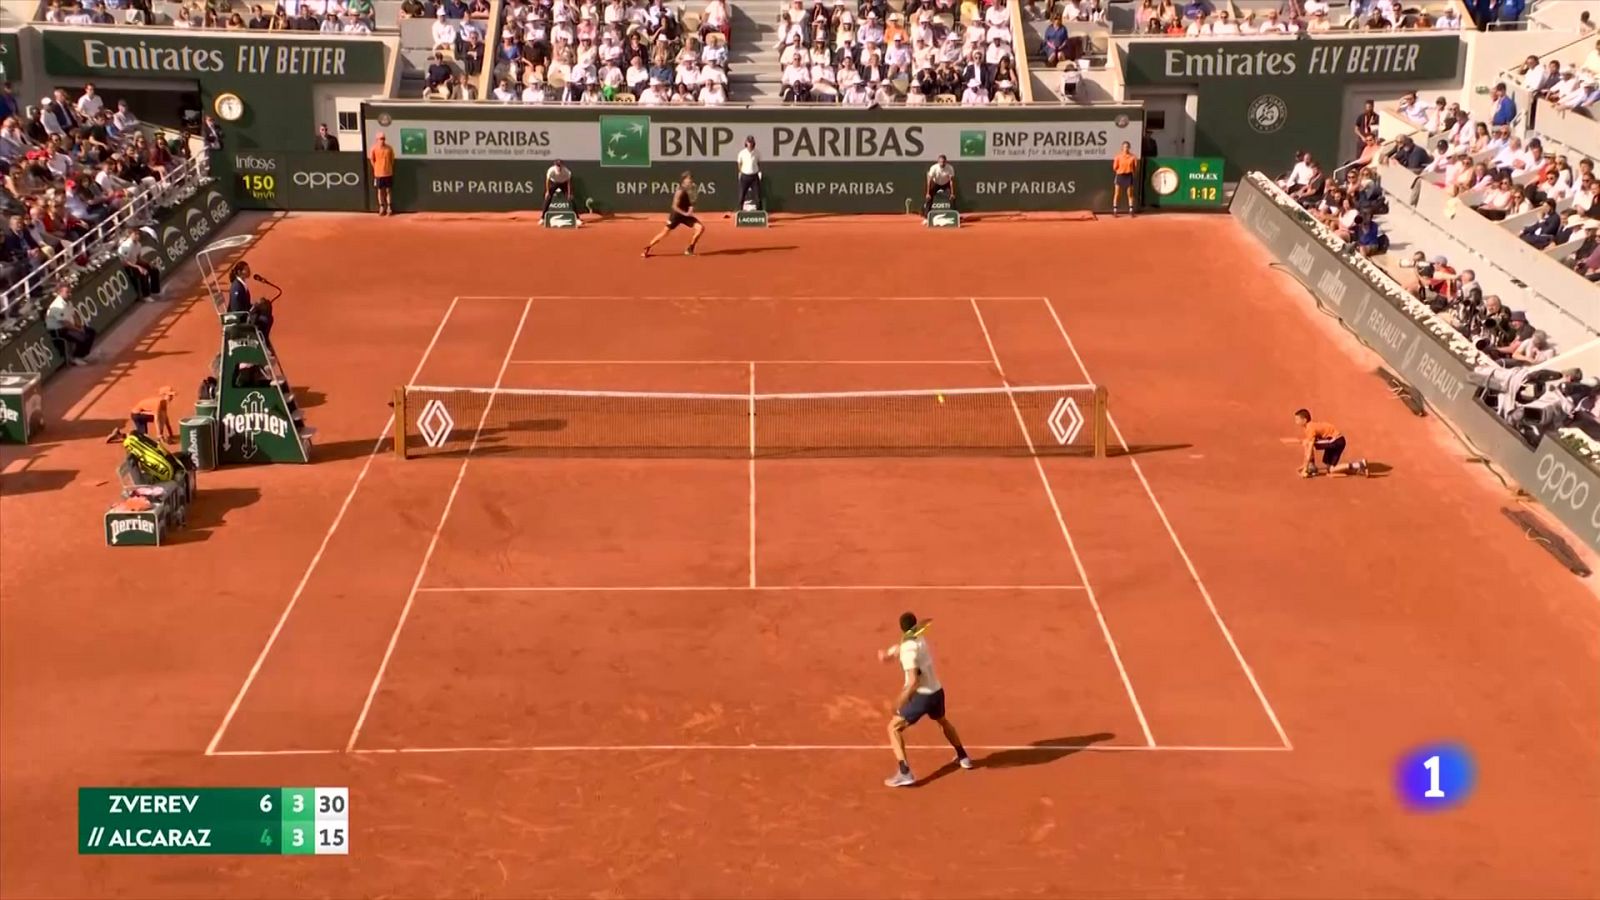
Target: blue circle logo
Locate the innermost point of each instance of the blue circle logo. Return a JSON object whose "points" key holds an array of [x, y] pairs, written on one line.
{"points": [[1435, 777]]}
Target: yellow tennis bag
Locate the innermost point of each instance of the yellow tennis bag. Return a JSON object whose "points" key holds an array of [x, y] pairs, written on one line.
{"points": [[151, 458]]}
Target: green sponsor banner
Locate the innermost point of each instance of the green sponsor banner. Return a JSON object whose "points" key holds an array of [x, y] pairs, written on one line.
{"points": [[471, 157], [132, 529], [304, 181], [11, 57], [102, 296], [21, 409], [231, 821], [456, 186], [1184, 181], [1258, 101], [278, 77]]}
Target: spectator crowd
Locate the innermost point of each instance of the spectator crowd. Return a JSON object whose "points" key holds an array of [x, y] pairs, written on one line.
{"points": [[931, 51], [70, 163], [1205, 18], [324, 16], [555, 51]]}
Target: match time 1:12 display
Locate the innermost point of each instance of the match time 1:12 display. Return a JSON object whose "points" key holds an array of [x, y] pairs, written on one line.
{"points": [[1184, 181]]}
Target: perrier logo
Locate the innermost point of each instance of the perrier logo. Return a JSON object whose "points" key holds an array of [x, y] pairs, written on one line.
{"points": [[255, 417], [974, 143], [413, 142], [624, 141]]}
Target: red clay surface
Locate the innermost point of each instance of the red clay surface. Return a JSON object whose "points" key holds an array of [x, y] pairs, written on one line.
{"points": [[598, 743]]}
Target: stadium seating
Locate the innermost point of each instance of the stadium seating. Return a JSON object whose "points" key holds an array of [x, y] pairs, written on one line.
{"points": [[537, 59], [69, 200]]}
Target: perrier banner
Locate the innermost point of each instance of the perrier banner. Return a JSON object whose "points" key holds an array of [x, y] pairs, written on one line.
{"points": [[1258, 101], [481, 157]]}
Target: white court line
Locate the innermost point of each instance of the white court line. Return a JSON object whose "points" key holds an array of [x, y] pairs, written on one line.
{"points": [[305, 577], [433, 541], [740, 362], [693, 588], [751, 416], [755, 297], [765, 748], [1072, 547], [1172, 533]]}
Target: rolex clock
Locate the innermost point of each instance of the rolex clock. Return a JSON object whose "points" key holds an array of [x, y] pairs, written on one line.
{"points": [[229, 107], [1164, 181]]}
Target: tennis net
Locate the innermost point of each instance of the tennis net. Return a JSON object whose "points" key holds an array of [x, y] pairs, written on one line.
{"points": [[1050, 420]]}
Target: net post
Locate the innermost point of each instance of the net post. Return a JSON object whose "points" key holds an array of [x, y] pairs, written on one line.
{"points": [[1100, 418], [400, 422]]}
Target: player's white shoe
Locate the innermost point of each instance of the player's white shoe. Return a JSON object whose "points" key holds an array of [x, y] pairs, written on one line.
{"points": [[900, 779], [964, 762]]}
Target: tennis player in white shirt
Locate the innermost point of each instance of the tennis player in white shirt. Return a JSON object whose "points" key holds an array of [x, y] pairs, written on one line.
{"points": [[921, 695]]}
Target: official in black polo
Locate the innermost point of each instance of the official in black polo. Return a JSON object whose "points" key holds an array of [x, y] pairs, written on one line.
{"points": [[326, 142]]}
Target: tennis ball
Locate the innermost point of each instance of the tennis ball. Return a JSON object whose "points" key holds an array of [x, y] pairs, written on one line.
{"points": [[940, 397]]}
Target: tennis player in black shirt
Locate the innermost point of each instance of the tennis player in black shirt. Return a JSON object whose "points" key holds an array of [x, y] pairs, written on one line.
{"points": [[681, 213]]}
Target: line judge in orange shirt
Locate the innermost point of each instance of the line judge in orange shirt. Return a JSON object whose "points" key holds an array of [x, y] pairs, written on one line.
{"points": [[1328, 439], [382, 158], [1123, 165]]}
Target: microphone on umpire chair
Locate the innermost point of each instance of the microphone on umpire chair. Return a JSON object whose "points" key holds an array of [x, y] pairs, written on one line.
{"points": [[262, 280]]}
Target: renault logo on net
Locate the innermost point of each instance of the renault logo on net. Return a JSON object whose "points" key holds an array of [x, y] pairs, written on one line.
{"points": [[326, 180]]}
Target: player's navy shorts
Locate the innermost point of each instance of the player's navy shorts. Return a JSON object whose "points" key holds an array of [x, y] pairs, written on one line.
{"points": [[383, 182], [1125, 179], [930, 705], [1331, 450], [675, 218]]}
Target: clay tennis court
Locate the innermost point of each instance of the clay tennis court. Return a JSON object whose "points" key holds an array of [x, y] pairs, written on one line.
{"points": [[1182, 670]]}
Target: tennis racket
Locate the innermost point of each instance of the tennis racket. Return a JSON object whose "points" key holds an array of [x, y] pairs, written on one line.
{"points": [[918, 631]]}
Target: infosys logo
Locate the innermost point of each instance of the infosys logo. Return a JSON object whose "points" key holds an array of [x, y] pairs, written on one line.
{"points": [[317, 181]]}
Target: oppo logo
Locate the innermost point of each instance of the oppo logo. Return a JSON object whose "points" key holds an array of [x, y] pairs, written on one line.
{"points": [[108, 295], [1557, 482], [326, 180]]}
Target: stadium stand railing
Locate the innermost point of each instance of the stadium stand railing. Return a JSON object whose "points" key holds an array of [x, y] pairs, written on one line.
{"points": [[1255, 18], [95, 245], [377, 17]]}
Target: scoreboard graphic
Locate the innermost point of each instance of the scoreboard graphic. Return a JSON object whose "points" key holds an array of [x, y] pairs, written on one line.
{"points": [[268, 821]]}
